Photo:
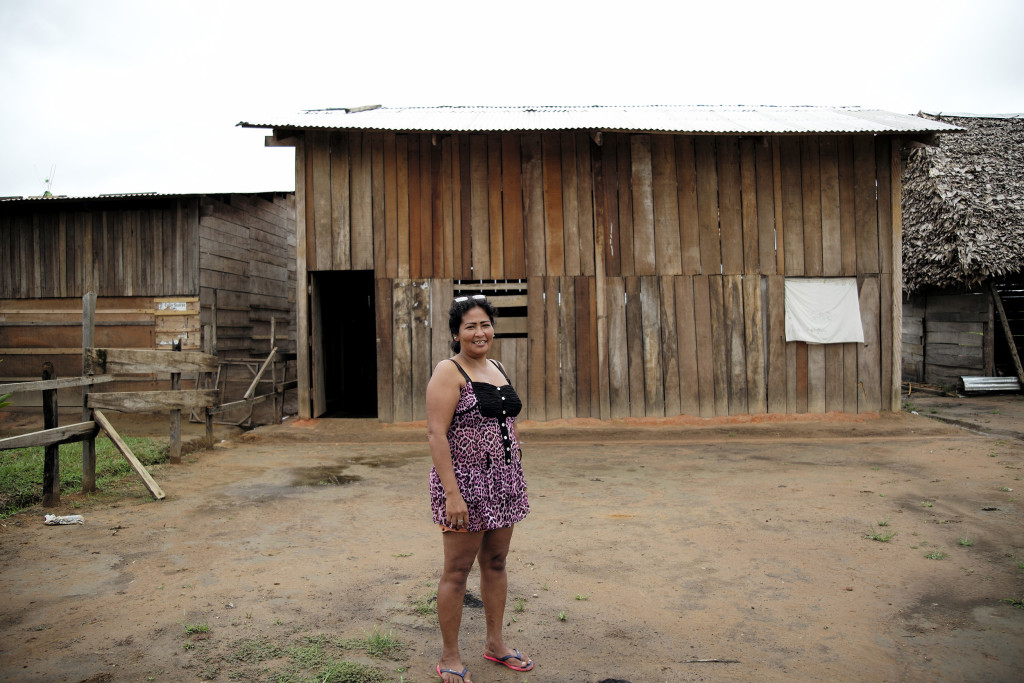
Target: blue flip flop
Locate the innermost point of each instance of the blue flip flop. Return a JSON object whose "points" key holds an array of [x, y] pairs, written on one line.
{"points": [[515, 655], [441, 671]]}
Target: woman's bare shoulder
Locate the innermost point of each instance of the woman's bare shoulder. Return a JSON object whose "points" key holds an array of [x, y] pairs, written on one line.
{"points": [[445, 367], [446, 373]]}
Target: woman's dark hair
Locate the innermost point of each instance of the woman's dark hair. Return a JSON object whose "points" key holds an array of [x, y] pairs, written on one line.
{"points": [[458, 311]]}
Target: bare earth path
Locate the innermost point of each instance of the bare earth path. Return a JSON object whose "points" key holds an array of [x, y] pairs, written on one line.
{"points": [[662, 542]]}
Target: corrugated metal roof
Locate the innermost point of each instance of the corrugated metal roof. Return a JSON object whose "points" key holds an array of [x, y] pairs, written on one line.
{"points": [[128, 195], [654, 118], [64, 197]]}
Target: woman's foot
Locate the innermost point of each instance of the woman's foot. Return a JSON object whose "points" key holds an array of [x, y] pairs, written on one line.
{"points": [[453, 674], [511, 658]]}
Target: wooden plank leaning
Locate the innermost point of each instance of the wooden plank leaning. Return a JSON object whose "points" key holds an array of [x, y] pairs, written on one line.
{"points": [[1010, 343], [139, 468], [259, 375]]}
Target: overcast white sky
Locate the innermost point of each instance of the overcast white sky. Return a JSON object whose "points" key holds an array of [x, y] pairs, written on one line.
{"points": [[144, 96]]}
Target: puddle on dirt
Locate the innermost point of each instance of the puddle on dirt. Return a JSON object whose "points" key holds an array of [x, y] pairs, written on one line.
{"points": [[323, 476], [334, 474], [379, 462]]}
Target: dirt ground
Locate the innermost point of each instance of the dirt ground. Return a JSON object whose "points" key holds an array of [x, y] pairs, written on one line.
{"points": [[659, 543]]}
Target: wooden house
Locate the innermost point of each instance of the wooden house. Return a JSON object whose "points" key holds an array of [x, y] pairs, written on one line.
{"points": [[638, 255], [163, 267], [963, 208]]}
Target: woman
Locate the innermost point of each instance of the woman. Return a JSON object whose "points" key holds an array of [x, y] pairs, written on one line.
{"points": [[477, 490]]}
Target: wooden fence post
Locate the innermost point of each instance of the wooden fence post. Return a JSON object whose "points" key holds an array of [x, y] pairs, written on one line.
{"points": [[88, 341], [51, 458], [175, 447]]}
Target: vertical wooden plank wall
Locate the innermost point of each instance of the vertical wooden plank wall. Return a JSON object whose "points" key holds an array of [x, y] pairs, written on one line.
{"points": [[693, 237], [247, 266], [115, 248], [239, 246]]}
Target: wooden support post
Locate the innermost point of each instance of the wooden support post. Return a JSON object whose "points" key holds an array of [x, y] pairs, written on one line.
{"points": [[88, 342], [278, 395], [207, 415], [51, 458], [896, 211], [175, 446], [1006, 330], [301, 281], [213, 323]]}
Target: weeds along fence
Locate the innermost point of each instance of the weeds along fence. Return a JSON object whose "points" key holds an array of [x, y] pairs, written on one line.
{"points": [[101, 365]]}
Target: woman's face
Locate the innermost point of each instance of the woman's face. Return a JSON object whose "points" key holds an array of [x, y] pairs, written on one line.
{"points": [[476, 332]]}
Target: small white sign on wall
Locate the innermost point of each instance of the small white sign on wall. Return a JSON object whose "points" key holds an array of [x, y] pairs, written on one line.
{"points": [[172, 306]]}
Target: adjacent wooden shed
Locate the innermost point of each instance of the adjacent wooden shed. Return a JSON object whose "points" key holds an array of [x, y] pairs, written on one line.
{"points": [[964, 239], [638, 255], [163, 267]]}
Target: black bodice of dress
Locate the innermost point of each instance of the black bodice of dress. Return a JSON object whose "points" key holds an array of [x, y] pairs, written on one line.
{"points": [[500, 402]]}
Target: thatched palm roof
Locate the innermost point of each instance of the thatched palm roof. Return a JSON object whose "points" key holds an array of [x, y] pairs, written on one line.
{"points": [[963, 205]]}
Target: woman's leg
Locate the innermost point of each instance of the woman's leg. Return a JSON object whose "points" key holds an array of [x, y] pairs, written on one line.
{"points": [[460, 550], [494, 591]]}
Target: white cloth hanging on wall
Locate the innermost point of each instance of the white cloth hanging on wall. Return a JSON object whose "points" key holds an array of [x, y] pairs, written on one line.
{"points": [[823, 310]]}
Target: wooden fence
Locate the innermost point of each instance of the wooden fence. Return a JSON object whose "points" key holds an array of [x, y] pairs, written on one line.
{"points": [[101, 365]]}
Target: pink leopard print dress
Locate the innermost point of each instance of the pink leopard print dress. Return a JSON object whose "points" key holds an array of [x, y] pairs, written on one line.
{"points": [[486, 457]]}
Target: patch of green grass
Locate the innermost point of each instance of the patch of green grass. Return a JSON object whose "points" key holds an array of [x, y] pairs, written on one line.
{"points": [[1015, 602], [21, 469], [254, 650], [965, 541], [936, 555], [1020, 566], [401, 555], [562, 616], [583, 597], [310, 651], [342, 671], [884, 522], [313, 659], [377, 644], [909, 406], [427, 605], [927, 504], [519, 605], [1005, 489], [317, 658], [200, 627], [880, 536]]}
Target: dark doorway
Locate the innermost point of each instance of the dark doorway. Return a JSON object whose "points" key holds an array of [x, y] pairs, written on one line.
{"points": [[348, 338]]}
